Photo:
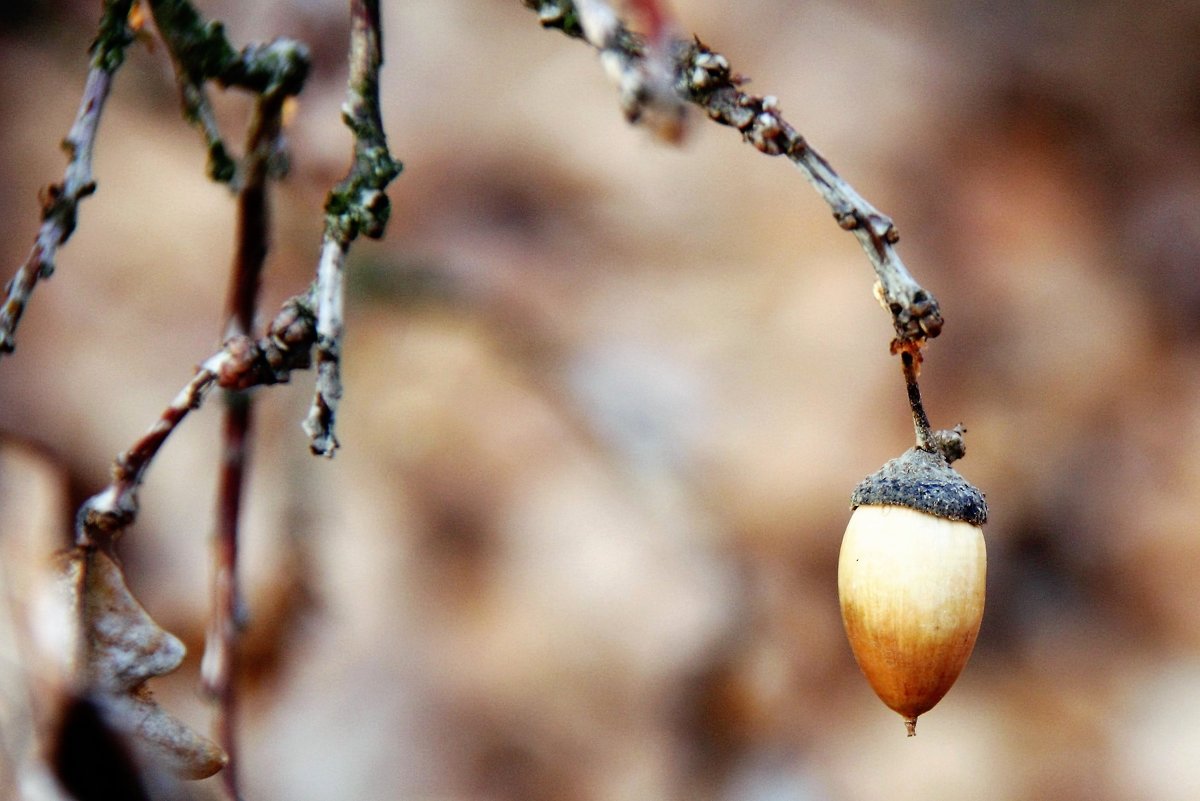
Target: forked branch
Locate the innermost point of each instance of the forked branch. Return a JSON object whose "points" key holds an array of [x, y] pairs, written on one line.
{"points": [[242, 363], [200, 53]]}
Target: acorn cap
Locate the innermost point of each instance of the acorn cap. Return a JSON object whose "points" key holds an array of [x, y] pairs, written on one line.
{"points": [[922, 480]]}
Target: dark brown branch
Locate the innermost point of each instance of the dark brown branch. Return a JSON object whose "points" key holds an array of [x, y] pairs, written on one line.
{"points": [[227, 618], [60, 202], [705, 79], [948, 443], [219, 666]]}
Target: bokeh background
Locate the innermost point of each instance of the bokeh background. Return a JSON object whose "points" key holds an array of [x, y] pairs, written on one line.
{"points": [[606, 401]]}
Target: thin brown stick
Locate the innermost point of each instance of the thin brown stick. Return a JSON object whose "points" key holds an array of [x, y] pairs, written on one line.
{"points": [[103, 516], [227, 619], [910, 361]]}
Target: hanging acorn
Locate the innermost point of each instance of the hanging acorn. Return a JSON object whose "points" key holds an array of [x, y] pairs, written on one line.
{"points": [[911, 573]]}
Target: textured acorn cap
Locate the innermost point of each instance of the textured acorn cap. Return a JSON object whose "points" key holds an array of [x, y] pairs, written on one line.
{"points": [[922, 480]]}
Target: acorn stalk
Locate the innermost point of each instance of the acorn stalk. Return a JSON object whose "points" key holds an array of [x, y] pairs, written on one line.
{"points": [[912, 569]]}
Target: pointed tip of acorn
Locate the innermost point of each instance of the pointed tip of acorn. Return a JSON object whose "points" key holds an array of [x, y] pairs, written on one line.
{"points": [[910, 725]]}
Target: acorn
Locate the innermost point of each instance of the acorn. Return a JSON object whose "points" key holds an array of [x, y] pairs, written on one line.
{"points": [[911, 573]]}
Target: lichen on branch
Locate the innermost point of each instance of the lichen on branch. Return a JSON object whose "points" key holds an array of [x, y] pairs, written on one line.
{"points": [[201, 52], [358, 204]]}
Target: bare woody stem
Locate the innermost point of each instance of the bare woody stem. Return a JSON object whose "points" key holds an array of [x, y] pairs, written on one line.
{"points": [[356, 205], [704, 78], [925, 436], [105, 515], [274, 71], [240, 364], [219, 666], [60, 202], [200, 52], [227, 619], [644, 82], [330, 287], [948, 443]]}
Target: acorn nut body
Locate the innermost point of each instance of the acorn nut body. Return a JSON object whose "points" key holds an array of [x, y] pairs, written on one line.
{"points": [[911, 580]]}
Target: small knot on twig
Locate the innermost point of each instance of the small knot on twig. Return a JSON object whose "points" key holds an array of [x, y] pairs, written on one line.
{"points": [[105, 515], [950, 443]]}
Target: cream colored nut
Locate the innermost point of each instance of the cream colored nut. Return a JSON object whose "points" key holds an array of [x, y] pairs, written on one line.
{"points": [[911, 587]]}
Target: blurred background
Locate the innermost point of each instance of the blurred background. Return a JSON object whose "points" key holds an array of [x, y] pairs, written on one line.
{"points": [[606, 401]]}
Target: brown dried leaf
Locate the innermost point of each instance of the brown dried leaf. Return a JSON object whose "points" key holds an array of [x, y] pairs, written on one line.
{"points": [[118, 647]]}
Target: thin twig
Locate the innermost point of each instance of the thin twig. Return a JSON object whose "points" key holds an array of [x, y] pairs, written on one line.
{"points": [[242, 363], [358, 204], [200, 52], [704, 77], [194, 46], [219, 665], [642, 71], [60, 201], [910, 360], [103, 516]]}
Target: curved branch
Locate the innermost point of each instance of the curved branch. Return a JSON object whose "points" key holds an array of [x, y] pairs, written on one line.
{"points": [[704, 78]]}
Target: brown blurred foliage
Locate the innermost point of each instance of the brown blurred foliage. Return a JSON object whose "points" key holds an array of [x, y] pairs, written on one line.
{"points": [[606, 401]]}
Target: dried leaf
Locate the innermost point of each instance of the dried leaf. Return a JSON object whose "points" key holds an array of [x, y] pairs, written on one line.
{"points": [[117, 648]]}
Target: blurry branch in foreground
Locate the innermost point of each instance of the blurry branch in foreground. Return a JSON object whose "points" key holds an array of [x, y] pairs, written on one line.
{"points": [[60, 202], [356, 205], [200, 53], [312, 319], [218, 668], [704, 78], [92, 598], [241, 363]]}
